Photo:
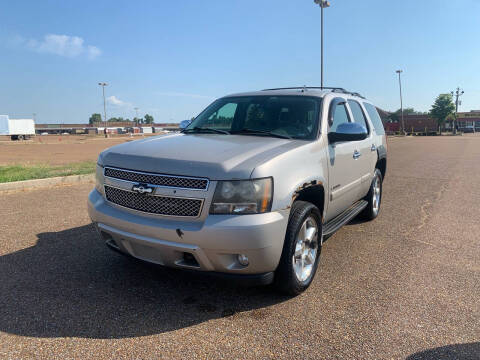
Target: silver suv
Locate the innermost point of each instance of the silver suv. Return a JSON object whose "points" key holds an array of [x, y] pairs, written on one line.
{"points": [[250, 189]]}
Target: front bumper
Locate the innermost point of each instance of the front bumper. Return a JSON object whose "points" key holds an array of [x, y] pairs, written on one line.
{"points": [[211, 245]]}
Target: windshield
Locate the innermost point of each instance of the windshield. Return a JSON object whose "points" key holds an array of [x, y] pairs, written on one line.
{"points": [[282, 116]]}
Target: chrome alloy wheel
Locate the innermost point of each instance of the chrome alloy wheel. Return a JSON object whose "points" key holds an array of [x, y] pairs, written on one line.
{"points": [[306, 248], [376, 194]]}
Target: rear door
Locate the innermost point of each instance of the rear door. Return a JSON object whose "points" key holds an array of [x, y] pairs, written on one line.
{"points": [[344, 175], [367, 148]]}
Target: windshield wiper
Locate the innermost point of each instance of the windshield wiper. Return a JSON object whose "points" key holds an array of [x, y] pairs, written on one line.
{"points": [[198, 129], [261, 132]]}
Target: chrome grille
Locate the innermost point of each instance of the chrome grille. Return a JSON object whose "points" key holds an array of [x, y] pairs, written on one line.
{"points": [[158, 179], [161, 205]]}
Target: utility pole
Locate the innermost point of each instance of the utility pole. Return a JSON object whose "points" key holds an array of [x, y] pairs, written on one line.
{"points": [[459, 92], [103, 84], [323, 4], [401, 99]]}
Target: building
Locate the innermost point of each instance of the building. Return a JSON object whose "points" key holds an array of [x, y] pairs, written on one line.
{"points": [[471, 118], [424, 123], [112, 128]]}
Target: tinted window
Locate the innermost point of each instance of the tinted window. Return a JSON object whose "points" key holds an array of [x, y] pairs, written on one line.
{"points": [[375, 118], [222, 118], [357, 113], [339, 116], [295, 116]]}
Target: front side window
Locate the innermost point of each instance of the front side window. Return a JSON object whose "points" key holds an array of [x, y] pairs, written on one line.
{"points": [[340, 116], [289, 116], [357, 112]]}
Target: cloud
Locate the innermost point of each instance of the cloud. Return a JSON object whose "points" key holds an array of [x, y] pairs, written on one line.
{"points": [[93, 52], [113, 100], [179, 94], [62, 45]]}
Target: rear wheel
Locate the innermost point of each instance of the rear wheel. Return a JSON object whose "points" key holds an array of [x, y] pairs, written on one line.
{"points": [[374, 197], [301, 249]]}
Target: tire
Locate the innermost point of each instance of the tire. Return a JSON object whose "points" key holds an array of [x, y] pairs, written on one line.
{"points": [[294, 276], [373, 208]]}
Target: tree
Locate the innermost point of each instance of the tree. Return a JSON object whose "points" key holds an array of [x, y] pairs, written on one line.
{"points": [[95, 118], [148, 119], [442, 108], [397, 115]]}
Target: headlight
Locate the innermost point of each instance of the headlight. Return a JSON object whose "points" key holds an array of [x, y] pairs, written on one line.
{"points": [[99, 179], [242, 197]]}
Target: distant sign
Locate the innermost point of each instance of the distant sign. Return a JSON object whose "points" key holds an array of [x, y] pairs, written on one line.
{"points": [[468, 115]]}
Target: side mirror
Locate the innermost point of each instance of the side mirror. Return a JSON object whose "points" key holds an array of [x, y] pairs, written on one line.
{"points": [[183, 124], [348, 132]]}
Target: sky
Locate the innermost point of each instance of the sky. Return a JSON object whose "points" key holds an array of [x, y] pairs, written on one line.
{"points": [[172, 58]]}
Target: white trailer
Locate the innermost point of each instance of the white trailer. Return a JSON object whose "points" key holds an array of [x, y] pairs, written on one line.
{"points": [[17, 129], [146, 129]]}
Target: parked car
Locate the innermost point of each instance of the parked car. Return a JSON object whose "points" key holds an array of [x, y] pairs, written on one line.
{"points": [[250, 189], [469, 129]]}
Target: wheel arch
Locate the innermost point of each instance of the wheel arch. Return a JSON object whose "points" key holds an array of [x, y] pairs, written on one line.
{"points": [[313, 192], [382, 166]]}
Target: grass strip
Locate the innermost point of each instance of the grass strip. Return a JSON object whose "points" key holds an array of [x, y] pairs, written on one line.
{"points": [[9, 173]]}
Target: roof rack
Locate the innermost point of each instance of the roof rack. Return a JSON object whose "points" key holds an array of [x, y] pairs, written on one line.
{"points": [[305, 88]]}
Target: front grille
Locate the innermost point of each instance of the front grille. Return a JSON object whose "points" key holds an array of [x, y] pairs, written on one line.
{"points": [[161, 205], [158, 179]]}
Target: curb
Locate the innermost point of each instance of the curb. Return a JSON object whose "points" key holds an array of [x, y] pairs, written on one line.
{"points": [[48, 182]]}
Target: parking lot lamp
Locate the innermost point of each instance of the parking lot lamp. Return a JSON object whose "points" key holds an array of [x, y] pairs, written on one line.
{"points": [[401, 100], [459, 92], [323, 4], [103, 84]]}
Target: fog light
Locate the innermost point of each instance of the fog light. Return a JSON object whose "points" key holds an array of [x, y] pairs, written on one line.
{"points": [[242, 259]]}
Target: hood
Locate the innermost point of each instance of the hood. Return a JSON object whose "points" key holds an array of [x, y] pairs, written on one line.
{"points": [[214, 156]]}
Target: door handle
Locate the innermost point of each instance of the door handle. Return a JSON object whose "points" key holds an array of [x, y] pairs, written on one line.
{"points": [[356, 154], [373, 148]]}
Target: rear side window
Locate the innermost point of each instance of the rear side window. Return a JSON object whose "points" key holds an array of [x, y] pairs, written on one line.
{"points": [[375, 118], [357, 113]]}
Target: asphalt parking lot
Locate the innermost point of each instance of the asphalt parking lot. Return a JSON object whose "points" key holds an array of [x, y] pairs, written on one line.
{"points": [[405, 286]]}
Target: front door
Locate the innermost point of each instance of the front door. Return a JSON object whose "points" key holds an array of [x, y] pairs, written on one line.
{"points": [[344, 175]]}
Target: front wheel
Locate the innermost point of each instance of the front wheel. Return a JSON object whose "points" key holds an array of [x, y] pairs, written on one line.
{"points": [[301, 249], [374, 197]]}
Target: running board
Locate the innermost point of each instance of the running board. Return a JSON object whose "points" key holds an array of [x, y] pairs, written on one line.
{"points": [[337, 222]]}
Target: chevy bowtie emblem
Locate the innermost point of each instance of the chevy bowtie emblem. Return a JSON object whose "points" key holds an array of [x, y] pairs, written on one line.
{"points": [[142, 189]]}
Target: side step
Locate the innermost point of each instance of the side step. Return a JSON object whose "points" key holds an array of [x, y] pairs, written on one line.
{"points": [[337, 222]]}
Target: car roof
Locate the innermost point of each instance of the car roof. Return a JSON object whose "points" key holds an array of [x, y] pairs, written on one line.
{"points": [[300, 91]]}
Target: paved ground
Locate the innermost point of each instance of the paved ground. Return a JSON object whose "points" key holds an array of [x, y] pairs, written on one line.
{"points": [[57, 150], [406, 285]]}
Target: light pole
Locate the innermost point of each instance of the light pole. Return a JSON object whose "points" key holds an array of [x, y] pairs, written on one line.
{"points": [[401, 99], [323, 4], [459, 92], [103, 84]]}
